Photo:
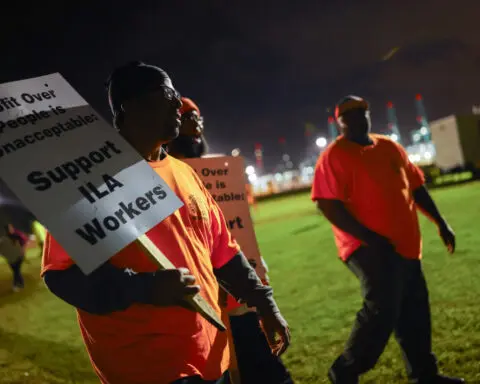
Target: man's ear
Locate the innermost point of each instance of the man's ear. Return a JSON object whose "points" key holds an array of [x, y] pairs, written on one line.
{"points": [[118, 120], [340, 121]]}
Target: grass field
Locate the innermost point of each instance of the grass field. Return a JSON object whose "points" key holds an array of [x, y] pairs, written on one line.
{"points": [[40, 341]]}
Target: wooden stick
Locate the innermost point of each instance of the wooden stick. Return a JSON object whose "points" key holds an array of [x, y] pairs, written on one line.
{"points": [[197, 301]]}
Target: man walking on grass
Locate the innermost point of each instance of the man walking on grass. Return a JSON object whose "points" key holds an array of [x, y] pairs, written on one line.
{"points": [[368, 189]]}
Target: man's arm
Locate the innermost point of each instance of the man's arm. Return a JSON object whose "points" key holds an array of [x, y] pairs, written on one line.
{"points": [[106, 290], [424, 201], [240, 279], [336, 212], [338, 215], [109, 289], [427, 206]]}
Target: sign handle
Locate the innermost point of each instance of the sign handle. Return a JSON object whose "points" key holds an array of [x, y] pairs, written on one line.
{"points": [[197, 301]]}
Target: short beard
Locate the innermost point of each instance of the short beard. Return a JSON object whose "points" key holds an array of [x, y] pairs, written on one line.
{"points": [[187, 147]]}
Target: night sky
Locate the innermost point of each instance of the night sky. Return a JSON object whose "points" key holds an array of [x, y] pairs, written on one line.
{"points": [[262, 69]]}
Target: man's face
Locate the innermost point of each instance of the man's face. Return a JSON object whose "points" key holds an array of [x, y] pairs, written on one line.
{"points": [[153, 117], [356, 122]]}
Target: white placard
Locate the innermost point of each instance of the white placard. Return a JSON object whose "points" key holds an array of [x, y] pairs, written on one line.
{"points": [[77, 175]]}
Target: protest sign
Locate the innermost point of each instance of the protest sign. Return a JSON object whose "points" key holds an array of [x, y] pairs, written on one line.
{"points": [[78, 176], [224, 178]]}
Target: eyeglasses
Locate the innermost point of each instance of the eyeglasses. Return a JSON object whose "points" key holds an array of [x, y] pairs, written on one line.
{"points": [[170, 93], [156, 96]]}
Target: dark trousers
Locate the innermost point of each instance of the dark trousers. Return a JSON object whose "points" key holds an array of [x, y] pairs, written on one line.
{"points": [[395, 300], [256, 363], [17, 273]]}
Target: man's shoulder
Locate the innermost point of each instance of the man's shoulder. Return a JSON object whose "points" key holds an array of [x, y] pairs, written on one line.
{"points": [[172, 165], [387, 142], [338, 147], [179, 165], [383, 139], [183, 170]]}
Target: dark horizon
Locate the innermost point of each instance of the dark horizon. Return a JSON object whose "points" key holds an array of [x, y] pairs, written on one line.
{"points": [[261, 73]]}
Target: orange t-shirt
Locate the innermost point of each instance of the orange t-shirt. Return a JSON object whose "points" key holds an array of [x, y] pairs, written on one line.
{"points": [[147, 344], [375, 183]]}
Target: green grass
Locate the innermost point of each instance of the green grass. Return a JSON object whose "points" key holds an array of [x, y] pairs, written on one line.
{"points": [[40, 341]]}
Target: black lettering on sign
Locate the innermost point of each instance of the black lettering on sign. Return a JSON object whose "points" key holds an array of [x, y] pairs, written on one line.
{"points": [[72, 169], [111, 223], [235, 223], [159, 192], [8, 103], [142, 203], [31, 98], [227, 197], [129, 210], [96, 230], [214, 172], [91, 232], [92, 193]]}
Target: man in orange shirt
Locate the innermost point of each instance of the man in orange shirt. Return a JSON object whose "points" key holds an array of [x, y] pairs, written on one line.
{"points": [[256, 363], [134, 319], [368, 189]]}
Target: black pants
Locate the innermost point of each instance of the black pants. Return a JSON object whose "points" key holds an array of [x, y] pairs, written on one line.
{"points": [[18, 280], [256, 363], [395, 300]]}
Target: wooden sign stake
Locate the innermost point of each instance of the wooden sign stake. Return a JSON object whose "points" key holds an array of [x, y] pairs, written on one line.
{"points": [[197, 301]]}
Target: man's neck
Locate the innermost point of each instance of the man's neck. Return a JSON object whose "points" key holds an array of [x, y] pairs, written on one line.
{"points": [[157, 155], [361, 140]]}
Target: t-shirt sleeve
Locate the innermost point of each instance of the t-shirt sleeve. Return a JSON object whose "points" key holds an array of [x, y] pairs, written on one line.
{"points": [[54, 257], [225, 247], [415, 175], [330, 180]]}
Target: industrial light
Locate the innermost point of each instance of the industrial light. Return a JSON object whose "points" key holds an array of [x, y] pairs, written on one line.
{"points": [[250, 170], [321, 142]]}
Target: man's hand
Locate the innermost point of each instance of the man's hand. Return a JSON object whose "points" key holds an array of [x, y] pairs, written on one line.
{"points": [[277, 332], [447, 235], [172, 286]]}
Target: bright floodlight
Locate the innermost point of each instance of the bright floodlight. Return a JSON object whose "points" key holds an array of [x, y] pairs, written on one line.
{"points": [[250, 170], [427, 155], [394, 137], [236, 152], [414, 158], [252, 177], [321, 142], [416, 137], [424, 131]]}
